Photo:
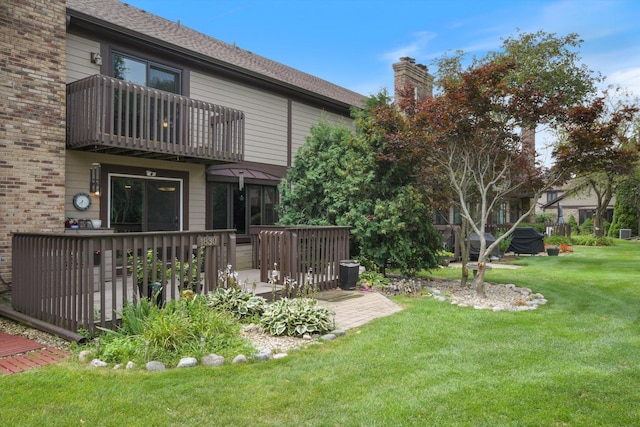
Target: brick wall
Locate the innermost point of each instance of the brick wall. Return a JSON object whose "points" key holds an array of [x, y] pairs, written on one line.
{"points": [[32, 119]]}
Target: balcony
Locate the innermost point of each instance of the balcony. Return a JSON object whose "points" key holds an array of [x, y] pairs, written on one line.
{"points": [[113, 116]]}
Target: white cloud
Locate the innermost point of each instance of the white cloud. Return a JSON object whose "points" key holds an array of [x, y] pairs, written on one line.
{"points": [[415, 48], [629, 78]]}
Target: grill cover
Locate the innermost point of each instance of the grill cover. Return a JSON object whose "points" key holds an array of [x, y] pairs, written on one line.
{"points": [[474, 246], [526, 240]]}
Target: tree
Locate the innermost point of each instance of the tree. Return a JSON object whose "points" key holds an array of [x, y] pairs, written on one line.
{"points": [[598, 149], [339, 178], [626, 207], [470, 131]]}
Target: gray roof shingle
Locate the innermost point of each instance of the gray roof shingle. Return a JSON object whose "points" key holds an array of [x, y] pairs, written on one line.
{"points": [[116, 13]]}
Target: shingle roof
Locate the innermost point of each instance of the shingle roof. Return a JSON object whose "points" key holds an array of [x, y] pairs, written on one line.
{"points": [[114, 12]]}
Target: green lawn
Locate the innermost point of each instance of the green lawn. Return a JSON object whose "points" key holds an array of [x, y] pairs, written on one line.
{"points": [[575, 361]]}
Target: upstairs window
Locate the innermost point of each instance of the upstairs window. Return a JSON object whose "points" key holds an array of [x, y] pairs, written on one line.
{"points": [[146, 73]]}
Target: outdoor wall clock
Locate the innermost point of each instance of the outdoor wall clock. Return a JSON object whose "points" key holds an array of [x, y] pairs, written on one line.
{"points": [[82, 201]]}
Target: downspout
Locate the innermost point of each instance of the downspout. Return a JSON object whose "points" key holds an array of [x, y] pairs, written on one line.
{"points": [[10, 313]]}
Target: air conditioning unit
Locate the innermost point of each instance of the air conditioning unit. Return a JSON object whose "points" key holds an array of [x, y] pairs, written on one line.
{"points": [[625, 233]]}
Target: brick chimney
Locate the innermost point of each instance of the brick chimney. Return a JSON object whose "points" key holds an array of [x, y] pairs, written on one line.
{"points": [[407, 72], [528, 139]]}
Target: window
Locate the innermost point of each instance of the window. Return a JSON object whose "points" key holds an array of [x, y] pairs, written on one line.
{"points": [[146, 73], [240, 209], [441, 217], [499, 216], [140, 200], [551, 196], [152, 116], [514, 211]]}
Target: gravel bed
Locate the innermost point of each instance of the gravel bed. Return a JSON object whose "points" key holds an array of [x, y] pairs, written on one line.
{"points": [[262, 341]]}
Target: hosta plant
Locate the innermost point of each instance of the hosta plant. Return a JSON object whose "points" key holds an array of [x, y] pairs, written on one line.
{"points": [[243, 305], [296, 317]]}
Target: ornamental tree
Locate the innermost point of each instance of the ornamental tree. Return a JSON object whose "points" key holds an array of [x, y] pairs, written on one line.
{"points": [[599, 149], [471, 130]]}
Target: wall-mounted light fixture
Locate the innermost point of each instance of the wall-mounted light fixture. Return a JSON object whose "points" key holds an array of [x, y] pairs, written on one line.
{"points": [[96, 58], [241, 180], [94, 179], [165, 123]]}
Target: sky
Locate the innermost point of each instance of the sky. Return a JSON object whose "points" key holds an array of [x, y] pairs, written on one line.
{"points": [[353, 43]]}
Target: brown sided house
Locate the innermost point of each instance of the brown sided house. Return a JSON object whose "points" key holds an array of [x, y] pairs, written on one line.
{"points": [[115, 115]]}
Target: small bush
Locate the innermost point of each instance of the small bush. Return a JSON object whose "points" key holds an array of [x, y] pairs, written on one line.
{"points": [[369, 279], [587, 227], [296, 317], [187, 327], [575, 228], [243, 305], [504, 244], [544, 218], [557, 240], [537, 226], [591, 241]]}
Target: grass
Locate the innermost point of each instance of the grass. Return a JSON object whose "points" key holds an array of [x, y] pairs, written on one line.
{"points": [[573, 362]]}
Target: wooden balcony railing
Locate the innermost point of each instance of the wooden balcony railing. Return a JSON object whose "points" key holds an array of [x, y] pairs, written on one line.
{"points": [[114, 116], [82, 281]]}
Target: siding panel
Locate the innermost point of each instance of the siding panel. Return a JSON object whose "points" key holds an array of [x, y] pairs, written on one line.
{"points": [[304, 117], [265, 115], [78, 58]]}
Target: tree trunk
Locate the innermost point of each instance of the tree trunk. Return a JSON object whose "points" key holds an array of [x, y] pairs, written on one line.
{"points": [[464, 251], [479, 280]]}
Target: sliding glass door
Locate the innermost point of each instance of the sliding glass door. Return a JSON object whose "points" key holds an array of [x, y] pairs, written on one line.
{"points": [[142, 204]]}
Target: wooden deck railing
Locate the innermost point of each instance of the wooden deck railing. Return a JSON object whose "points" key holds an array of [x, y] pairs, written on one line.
{"points": [[309, 255], [81, 281], [114, 116]]}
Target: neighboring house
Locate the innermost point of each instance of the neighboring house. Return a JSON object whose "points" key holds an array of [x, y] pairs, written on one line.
{"points": [[114, 114], [580, 206]]}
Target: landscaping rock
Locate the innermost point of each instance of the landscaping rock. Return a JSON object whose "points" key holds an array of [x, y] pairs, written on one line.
{"points": [[97, 363], [328, 337], [130, 365], [84, 355], [338, 333], [187, 362], [280, 355], [212, 360], [241, 358], [262, 356], [154, 365], [499, 297]]}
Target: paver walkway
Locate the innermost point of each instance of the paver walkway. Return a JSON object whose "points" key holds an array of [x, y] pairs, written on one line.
{"points": [[17, 354], [355, 308]]}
